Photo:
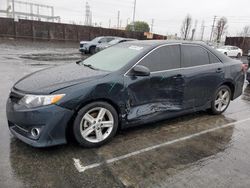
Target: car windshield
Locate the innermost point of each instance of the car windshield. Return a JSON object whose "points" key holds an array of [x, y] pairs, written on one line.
{"points": [[113, 58], [96, 39], [116, 41]]}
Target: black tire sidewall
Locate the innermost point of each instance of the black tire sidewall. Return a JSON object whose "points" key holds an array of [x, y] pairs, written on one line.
{"points": [[92, 50], [81, 113], [213, 109]]}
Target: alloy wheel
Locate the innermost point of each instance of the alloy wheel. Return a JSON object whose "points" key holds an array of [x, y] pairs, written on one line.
{"points": [[97, 124], [222, 100]]}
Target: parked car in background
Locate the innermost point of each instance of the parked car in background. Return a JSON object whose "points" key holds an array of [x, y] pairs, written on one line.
{"points": [[127, 84], [231, 51], [103, 46], [90, 46], [248, 75]]}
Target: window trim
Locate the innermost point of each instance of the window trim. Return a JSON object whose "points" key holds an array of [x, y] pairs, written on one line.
{"points": [[154, 72], [156, 48], [208, 51], [214, 56], [204, 49]]}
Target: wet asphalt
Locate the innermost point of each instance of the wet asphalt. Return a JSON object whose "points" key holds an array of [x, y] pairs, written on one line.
{"points": [[196, 150]]}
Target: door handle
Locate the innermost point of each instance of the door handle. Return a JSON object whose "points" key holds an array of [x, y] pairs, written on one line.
{"points": [[178, 76], [219, 70]]}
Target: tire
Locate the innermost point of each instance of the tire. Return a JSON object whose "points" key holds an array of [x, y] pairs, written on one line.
{"points": [[89, 128], [220, 103], [92, 50], [225, 53], [238, 55]]}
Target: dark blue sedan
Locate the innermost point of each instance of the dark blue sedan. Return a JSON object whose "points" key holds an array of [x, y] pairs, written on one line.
{"points": [[125, 85]]}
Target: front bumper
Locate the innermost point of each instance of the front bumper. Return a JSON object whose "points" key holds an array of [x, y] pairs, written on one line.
{"points": [[83, 49], [51, 120]]}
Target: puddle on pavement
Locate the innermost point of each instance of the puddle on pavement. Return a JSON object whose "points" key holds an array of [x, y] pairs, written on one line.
{"points": [[53, 56]]}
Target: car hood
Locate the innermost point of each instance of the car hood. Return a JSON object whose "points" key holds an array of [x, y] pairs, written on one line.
{"points": [[52, 79], [84, 42], [222, 50]]}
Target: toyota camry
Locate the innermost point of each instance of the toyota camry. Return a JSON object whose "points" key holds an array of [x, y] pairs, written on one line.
{"points": [[128, 84]]}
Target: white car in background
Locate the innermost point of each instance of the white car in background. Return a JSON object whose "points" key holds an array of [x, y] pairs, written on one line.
{"points": [[231, 51]]}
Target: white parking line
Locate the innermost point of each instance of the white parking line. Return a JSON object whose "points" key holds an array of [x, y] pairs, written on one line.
{"points": [[82, 168]]}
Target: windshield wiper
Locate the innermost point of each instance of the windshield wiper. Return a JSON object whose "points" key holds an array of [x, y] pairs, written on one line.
{"points": [[90, 66], [78, 62]]}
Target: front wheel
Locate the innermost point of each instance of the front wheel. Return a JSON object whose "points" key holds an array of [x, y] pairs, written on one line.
{"points": [[92, 50], [95, 124], [221, 100]]}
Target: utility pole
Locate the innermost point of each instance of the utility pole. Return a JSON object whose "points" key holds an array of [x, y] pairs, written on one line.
{"points": [[211, 35], [109, 23], [128, 21], [87, 14], [118, 19], [134, 15], [202, 30], [13, 9], [38, 13], [194, 30], [31, 11], [120, 23], [52, 13], [152, 25]]}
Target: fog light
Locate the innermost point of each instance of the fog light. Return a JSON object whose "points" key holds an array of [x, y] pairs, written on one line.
{"points": [[35, 132]]}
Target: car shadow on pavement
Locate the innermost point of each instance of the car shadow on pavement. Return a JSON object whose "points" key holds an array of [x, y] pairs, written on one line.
{"points": [[54, 167]]}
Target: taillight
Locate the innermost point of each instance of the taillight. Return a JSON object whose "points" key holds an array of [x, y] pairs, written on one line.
{"points": [[244, 67]]}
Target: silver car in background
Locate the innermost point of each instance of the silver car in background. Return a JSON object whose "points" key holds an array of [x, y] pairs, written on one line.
{"points": [[103, 46], [89, 47], [231, 51]]}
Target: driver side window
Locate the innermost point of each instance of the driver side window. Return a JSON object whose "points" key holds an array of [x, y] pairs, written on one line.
{"points": [[102, 40], [163, 58]]}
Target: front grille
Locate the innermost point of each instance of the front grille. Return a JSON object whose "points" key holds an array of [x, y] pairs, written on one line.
{"points": [[15, 96], [81, 45]]}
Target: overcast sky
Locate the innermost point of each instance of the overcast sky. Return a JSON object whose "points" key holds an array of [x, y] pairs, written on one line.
{"points": [[167, 15]]}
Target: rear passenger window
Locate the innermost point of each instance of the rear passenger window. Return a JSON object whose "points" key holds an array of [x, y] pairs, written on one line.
{"points": [[213, 58], [163, 58], [194, 56]]}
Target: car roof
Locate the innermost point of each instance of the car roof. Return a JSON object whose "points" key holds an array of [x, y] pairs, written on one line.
{"points": [[107, 36], [155, 43]]}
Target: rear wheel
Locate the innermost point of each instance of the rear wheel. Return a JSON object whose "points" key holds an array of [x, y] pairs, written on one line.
{"points": [[238, 55], [225, 53], [95, 124], [92, 50], [221, 100]]}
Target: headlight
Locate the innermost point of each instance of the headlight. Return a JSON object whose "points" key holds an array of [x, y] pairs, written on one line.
{"points": [[40, 100]]}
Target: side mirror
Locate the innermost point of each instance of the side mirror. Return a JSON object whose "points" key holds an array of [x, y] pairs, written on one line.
{"points": [[140, 70]]}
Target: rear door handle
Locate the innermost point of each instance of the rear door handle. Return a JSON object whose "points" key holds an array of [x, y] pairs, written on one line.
{"points": [[178, 76], [219, 70]]}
